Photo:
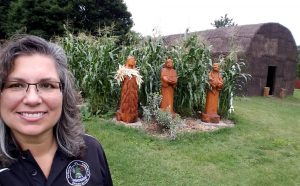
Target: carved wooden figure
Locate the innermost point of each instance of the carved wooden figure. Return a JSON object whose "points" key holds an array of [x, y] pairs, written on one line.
{"points": [[168, 82], [212, 98], [128, 111]]}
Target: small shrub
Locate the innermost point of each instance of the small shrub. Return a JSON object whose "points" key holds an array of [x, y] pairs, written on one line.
{"points": [[152, 106], [85, 112], [166, 120]]}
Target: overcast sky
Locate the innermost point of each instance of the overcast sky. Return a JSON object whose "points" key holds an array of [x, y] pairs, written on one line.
{"points": [[164, 17]]}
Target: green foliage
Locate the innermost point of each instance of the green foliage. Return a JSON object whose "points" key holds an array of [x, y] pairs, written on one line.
{"points": [[223, 22], [167, 120], [164, 119], [261, 149], [191, 61], [85, 112], [93, 61], [91, 15], [150, 55], [153, 104], [298, 64], [4, 4], [42, 18], [234, 81], [46, 18]]}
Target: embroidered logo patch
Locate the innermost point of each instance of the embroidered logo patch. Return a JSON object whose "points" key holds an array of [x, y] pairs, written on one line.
{"points": [[78, 173]]}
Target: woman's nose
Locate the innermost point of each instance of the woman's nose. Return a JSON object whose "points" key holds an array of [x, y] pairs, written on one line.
{"points": [[32, 96]]}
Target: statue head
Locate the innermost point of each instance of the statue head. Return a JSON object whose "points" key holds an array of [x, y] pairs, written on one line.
{"points": [[168, 63], [130, 62], [216, 67]]}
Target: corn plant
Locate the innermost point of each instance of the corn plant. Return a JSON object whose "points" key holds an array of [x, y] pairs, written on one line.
{"points": [[93, 60], [234, 80], [191, 61], [150, 55]]}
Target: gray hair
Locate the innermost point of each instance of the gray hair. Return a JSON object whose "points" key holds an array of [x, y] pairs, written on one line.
{"points": [[68, 130]]}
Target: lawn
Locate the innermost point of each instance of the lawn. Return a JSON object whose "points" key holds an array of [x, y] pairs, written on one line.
{"points": [[262, 149]]}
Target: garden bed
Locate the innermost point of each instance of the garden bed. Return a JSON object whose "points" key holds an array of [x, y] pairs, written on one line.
{"points": [[187, 125]]}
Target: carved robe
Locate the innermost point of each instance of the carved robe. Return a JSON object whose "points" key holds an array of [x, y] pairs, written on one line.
{"points": [[128, 111], [168, 83], [212, 98]]}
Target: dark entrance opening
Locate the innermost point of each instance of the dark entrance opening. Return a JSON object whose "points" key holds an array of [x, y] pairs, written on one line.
{"points": [[271, 78]]}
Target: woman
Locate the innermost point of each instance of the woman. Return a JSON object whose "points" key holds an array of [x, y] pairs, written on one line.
{"points": [[42, 141]]}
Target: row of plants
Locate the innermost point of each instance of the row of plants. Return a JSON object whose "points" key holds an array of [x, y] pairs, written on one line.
{"points": [[95, 60]]}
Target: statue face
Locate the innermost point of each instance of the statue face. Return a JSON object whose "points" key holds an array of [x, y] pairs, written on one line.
{"points": [[216, 67], [130, 62], [169, 63]]}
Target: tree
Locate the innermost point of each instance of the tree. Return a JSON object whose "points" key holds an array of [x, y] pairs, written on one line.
{"points": [[47, 18], [4, 4], [223, 22], [101, 13], [37, 17]]}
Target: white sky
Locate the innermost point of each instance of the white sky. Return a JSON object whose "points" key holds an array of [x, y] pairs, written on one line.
{"points": [[164, 17]]}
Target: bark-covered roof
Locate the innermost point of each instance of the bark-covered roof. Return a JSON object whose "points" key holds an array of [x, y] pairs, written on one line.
{"points": [[224, 39]]}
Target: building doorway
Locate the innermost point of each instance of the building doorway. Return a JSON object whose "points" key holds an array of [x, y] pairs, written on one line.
{"points": [[271, 79]]}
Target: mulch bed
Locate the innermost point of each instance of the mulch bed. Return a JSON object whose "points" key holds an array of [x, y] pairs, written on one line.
{"points": [[187, 125]]}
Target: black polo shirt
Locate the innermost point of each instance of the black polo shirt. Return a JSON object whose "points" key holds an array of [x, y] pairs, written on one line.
{"points": [[90, 170]]}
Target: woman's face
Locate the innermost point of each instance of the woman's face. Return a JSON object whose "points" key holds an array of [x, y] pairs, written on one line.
{"points": [[35, 112]]}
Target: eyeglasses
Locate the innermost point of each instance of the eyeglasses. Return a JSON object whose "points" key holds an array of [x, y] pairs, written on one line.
{"points": [[42, 87]]}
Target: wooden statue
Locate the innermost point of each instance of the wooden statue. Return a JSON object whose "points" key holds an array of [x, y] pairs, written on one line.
{"points": [[130, 78], [212, 98], [168, 78]]}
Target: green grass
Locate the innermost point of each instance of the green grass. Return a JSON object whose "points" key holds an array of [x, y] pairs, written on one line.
{"points": [[262, 149]]}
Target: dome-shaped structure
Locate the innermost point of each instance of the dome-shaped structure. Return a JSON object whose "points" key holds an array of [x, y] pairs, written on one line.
{"points": [[269, 49]]}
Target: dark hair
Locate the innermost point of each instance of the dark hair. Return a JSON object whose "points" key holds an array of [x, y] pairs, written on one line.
{"points": [[68, 130]]}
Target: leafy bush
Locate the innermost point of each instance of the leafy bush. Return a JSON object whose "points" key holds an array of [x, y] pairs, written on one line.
{"points": [[85, 112], [153, 104], [167, 120]]}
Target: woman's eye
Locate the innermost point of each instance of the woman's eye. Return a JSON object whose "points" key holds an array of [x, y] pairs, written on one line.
{"points": [[15, 85], [46, 85]]}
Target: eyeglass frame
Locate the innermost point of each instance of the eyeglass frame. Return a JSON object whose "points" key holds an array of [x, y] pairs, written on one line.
{"points": [[60, 85]]}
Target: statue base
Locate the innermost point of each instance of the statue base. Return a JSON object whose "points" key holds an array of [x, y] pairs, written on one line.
{"points": [[210, 118], [128, 118]]}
